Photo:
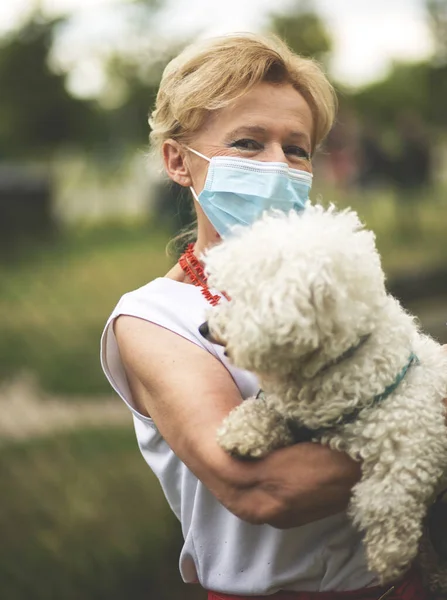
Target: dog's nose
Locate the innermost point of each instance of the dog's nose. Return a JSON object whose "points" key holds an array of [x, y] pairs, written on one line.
{"points": [[204, 330]]}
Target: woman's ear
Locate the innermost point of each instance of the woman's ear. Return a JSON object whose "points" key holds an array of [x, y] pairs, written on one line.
{"points": [[175, 163]]}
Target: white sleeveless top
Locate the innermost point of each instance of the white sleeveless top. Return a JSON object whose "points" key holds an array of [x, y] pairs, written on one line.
{"points": [[222, 552]]}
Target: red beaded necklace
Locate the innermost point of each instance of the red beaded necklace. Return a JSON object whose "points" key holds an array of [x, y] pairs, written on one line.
{"points": [[194, 270]]}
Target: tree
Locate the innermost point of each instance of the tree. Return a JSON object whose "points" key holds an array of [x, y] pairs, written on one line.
{"points": [[437, 11], [304, 31], [37, 114], [138, 78], [405, 87]]}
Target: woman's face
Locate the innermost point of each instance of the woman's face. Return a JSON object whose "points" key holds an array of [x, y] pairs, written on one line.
{"points": [[270, 123]]}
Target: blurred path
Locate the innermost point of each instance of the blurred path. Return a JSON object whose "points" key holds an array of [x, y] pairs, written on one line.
{"points": [[27, 412]]}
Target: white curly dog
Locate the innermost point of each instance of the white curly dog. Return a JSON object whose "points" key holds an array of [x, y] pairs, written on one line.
{"points": [[340, 362]]}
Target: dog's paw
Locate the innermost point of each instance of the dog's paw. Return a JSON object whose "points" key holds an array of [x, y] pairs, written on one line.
{"points": [[241, 445], [252, 430]]}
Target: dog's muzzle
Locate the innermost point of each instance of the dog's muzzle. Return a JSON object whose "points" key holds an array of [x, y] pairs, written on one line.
{"points": [[205, 332]]}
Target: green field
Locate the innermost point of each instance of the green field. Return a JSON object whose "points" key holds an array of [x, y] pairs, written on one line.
{"points": [[82, 516], [54, 302]]}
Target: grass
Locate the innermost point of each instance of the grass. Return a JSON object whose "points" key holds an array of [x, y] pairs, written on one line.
{"points": [[82, 516], [55, 300]]}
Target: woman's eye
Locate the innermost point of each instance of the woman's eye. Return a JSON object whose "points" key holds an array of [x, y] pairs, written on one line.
{"points": [[246, 144], [297, 151]]}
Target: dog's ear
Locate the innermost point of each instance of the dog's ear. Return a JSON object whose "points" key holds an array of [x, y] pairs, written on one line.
{"points": [[323, 302], [287, 312], [322, 297], [305, 285]]}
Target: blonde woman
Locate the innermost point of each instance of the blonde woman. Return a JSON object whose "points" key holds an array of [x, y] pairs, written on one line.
{"points": [[237, 120]]}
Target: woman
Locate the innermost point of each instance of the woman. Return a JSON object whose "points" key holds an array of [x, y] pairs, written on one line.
{"points": [[250, 528]]}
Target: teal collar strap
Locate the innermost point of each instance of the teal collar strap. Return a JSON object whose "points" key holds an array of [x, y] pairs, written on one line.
{"points": [[390, 389], [302, 434]]}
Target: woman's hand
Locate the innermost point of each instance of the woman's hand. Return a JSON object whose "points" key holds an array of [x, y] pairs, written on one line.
{"points": [[188, 392], [303, 483]]}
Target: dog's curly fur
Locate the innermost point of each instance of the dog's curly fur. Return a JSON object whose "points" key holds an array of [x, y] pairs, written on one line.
{"points": [[310, 315]]}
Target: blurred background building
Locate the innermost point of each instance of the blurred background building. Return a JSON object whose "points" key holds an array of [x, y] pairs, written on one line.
{"points": [[85, 215]]}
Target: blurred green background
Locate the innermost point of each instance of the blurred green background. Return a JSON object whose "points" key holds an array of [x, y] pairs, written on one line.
{"points": [[85, 216]]}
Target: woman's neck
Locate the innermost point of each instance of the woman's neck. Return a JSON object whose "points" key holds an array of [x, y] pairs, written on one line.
{"points": [[206, 238], [177, 273]]}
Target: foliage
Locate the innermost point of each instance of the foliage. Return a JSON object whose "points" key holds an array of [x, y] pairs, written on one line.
{"points": [[416, 88], [405, 86], [37, 113], [303, 30], [135, 70], [82, 516], [138, 81], [437, 94], [410, 235], [437, 11]]}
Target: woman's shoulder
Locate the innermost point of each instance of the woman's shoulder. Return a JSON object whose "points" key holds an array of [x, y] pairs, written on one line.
{"points": [[174, 305], [165, 286], [163, 296], [177, 307], [163, 289]]}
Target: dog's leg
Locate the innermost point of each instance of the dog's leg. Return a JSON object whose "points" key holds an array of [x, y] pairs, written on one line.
{"points": [[390, 509], [253, 430]]}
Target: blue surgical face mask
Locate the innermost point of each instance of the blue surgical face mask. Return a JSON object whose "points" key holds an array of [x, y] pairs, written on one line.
{"points": [[237, 190]]}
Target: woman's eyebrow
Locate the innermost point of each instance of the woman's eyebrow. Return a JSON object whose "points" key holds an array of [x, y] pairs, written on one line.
{"points": [[259, 130], [247, 129], [299, 136]]}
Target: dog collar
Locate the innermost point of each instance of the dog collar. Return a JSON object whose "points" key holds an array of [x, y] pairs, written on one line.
{"points": [[305, 434]]}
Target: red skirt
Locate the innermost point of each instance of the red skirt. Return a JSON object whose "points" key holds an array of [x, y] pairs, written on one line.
{"points": [[410, 588]]}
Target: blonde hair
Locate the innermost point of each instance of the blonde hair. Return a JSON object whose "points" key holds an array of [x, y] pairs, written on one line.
{"points": [[210, 74]]}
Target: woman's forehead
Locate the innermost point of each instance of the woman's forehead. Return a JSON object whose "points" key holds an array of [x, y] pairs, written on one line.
{"points": [[265, 108]]}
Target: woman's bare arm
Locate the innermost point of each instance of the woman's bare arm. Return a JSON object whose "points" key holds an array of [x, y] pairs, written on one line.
{"points": [[187, 392]]}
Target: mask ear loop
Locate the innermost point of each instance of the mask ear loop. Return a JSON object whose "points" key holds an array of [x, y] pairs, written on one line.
{"points": [[198, 153], [193, 192]]}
